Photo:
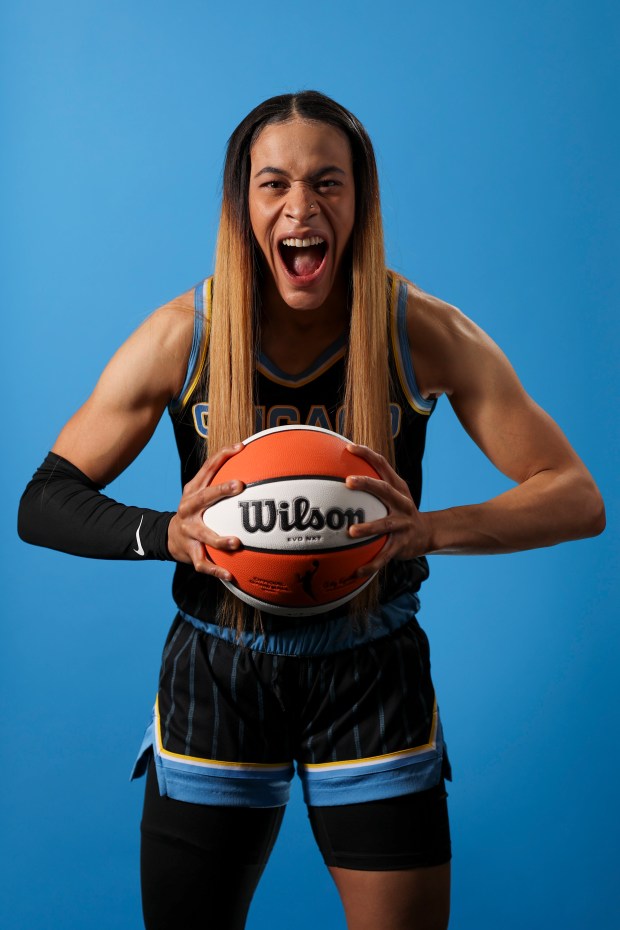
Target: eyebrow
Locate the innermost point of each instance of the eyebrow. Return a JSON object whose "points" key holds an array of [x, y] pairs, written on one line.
{"points": [[328, 169]]}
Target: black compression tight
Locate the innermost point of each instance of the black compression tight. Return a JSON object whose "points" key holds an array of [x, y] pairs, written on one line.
{"points": [[201, 863], [194, 873]]}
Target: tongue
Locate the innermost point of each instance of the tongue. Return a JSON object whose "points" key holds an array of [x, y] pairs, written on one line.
{"points": [[304, 261]]}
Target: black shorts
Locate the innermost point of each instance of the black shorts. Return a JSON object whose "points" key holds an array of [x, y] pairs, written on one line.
{"points": [[233, 722]]}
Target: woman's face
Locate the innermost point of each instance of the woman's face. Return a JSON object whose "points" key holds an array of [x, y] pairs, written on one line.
{"points": [[302, 207]]}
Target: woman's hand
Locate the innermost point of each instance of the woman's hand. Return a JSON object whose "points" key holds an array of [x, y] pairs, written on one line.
{"points": [[408, 535], [187, 533]]}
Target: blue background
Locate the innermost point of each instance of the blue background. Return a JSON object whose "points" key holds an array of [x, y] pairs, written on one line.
{"points": [[496, 134]]}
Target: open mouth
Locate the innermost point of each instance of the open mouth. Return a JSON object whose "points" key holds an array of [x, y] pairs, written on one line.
{"points": [[303, 258]]}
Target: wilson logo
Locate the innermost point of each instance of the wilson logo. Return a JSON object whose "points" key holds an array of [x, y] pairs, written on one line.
{"points": [[262, 516]]}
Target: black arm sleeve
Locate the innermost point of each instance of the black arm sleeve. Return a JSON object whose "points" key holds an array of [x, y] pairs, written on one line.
{"points": [[63, 509]]}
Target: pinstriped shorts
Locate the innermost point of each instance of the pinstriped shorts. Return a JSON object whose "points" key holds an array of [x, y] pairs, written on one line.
{"points": [[232, 723]]}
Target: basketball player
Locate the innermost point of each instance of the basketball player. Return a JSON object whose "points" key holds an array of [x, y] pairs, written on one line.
{"points": [[301, 323]]}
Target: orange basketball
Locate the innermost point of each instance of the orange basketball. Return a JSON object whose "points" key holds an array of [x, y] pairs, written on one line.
{"points": [[292, 518]]}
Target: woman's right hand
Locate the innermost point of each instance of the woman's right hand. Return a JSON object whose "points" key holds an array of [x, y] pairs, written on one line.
{"points": [[187, 532]]}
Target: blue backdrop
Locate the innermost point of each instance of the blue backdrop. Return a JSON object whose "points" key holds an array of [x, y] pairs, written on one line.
{"points": [[495, 133]]}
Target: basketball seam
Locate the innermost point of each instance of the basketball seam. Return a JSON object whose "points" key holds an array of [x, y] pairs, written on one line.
{"points": [[295, 477]]}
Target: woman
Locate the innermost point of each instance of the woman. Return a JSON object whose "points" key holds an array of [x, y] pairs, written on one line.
{"points": [[302, 323]]}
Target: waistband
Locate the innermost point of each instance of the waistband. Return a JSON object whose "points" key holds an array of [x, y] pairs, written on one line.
{"points": [[317, 637]]}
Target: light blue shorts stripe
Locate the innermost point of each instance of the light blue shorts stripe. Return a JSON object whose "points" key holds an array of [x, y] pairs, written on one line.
{"points": [[201, 781], [352, 782]]}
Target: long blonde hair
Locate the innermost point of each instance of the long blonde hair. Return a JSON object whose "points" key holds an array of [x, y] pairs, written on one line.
{"points": [[229, 374]]}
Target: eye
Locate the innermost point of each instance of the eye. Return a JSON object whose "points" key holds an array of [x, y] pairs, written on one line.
{"points": [[327, 183], [273, 185]]}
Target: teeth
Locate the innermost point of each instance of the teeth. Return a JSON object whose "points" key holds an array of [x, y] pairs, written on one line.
{"points": [[303, 243]]}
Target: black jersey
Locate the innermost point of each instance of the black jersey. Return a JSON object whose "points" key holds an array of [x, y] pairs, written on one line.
{"points": [[314, 398]]}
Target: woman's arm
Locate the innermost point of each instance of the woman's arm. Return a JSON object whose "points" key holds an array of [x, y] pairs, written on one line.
{"points": [[120, 416], [555, 498], [63, 507]]}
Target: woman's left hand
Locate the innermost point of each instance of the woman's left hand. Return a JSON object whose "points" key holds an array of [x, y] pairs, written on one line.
{"points": [[404, 525]]}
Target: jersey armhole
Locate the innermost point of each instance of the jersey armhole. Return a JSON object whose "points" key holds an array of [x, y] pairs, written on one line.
{"points": [[402, 353], [203, 294]]}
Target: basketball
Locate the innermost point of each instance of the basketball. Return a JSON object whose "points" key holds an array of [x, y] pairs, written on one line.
{"points": [[297, 558]]}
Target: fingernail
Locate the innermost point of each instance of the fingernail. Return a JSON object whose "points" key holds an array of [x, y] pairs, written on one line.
{"points": [[231, 543]]}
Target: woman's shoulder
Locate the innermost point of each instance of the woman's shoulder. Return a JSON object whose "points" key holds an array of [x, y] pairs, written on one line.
{"points": [[173, 322], [168, 333], [441, 339], [426, 312]]}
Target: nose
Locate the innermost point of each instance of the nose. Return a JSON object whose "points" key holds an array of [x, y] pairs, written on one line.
{"points": [[301, 202]]}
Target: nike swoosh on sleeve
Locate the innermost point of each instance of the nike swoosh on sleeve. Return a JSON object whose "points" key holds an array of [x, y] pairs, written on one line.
{"points": [[139, 550]]}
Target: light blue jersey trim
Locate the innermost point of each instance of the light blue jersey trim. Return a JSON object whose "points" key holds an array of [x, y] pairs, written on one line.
{"points": [[318, 637], [425, 404], [197, 337]]}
